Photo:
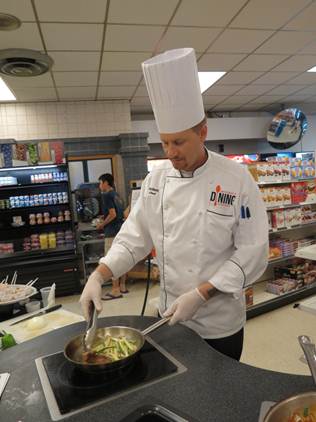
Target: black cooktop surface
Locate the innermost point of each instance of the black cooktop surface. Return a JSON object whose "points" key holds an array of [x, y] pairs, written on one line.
{"points": [[74, 389]]}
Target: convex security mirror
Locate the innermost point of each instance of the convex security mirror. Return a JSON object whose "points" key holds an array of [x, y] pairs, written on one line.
{"points": [[287, 128]]}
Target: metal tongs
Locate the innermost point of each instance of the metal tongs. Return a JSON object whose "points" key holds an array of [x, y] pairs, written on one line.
{"points": [[88, 337], [310, 353]]}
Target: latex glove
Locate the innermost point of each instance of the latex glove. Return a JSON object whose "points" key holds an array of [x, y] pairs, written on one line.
{"points": [[92, 292], [185, 306]]}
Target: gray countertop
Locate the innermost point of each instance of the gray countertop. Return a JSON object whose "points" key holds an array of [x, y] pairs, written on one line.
{"points": [[214, 387]]}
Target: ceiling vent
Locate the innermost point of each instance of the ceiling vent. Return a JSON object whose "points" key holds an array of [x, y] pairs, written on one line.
{"points": [[23, 63], [9, 22]]}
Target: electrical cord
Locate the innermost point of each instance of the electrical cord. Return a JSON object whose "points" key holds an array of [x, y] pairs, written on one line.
{"points": [[147, 284]]}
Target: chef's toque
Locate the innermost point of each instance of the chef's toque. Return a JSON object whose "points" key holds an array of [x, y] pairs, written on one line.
{"points": [[174, 90]]}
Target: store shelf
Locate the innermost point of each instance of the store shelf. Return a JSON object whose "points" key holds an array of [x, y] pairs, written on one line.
{"points": [[281, 259], [38, 252], [286, 229], [33, 206], [92, 261], [266, 302], [285, 182], [31, 185], [281, 207], [36, 226], [91, 241]]}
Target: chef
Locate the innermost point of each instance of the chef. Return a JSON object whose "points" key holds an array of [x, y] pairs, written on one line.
{"points": [[202, 212]]}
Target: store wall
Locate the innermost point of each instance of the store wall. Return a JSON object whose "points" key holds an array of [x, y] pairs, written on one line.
{"points": [[243, 129], [53, 120]]}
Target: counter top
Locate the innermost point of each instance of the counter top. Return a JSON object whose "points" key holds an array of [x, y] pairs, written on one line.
{"points": [[214, 387]]}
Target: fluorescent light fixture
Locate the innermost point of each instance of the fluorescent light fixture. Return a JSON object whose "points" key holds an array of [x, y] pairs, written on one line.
{"points": [[313, 69], [5, 92], [207, 79]]}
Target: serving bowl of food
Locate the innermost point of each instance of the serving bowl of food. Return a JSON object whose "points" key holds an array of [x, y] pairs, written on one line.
{"points": [[299, 408]]}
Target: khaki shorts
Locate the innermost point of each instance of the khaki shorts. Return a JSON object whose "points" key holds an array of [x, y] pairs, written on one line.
{"points": [[107, 244]]}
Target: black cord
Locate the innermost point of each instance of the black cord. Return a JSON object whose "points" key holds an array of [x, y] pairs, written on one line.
{"points": [[147, 284]]}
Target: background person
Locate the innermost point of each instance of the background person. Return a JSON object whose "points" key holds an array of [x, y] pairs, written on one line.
{"points": [[112, 208]]}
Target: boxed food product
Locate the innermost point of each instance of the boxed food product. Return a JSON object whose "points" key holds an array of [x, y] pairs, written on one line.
{"points": [[298, 192], [311, 191], [281, 286]]}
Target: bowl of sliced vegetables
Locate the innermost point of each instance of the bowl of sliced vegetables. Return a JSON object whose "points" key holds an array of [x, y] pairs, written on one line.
{"points": [[299, 408]]}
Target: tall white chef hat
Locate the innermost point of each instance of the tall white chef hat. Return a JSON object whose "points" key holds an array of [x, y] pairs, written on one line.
{"points": [[174, 90]]}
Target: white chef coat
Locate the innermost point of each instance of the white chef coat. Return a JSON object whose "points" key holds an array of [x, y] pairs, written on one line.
{"points": [[208, 227]]}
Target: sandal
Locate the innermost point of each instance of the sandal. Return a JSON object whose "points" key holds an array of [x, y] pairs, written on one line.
{"points": [[109, 296], [124, 291]]}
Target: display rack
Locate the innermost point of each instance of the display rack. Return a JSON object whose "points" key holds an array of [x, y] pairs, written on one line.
{"points": [[29, 242], [264, 301]]}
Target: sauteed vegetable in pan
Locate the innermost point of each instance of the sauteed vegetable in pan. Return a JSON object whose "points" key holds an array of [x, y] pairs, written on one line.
{"points": [[109, 349]]}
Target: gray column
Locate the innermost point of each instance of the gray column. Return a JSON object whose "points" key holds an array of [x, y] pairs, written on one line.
{"points": [[134, 150]]}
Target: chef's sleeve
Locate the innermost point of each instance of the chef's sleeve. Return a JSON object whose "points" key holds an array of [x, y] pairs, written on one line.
{"points": [[251, 242], [133, 242]]}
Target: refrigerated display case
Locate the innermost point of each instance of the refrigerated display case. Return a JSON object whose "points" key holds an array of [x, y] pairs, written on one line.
{"points": [[36, 227]]}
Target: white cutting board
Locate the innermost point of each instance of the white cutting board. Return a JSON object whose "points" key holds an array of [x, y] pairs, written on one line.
{"points": [[51, 321]]}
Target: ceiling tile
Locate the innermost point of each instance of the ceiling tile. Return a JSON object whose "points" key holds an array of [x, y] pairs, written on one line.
{"points": [[250, 107], [219, 62], [73, 36], [214, 99], [141, 101], [68, 93], [261, 62], [75, 61], [141, 91], [268, 13], [120, 78], [206, 12], [239, 99], [296, 97], [308, 49], [306, 78], [197, 38], [275, 78], [27, 36], [222, 90], [21, 9], [311, 89], [225, 107], [296, 64], [141, 11], [35, 94], [239, 41], [255, 89], [268, 98], [41, 81], [310, 99], [132, 37], [233, 78], [123, 61], [76, 78], [286, 42], [305, 21], [286, 89], [116, 91], [71, 10]]}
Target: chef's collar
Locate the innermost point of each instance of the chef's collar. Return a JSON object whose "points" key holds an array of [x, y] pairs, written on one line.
{"points": [[196, 172]]}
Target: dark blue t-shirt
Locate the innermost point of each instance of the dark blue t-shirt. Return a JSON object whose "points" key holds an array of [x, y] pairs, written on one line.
{"points": [[112, 200]]}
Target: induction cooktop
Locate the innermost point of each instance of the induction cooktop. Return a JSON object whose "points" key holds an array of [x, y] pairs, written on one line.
{"points": [[68, 390]]}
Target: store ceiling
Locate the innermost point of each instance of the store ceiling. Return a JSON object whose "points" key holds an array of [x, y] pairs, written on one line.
{"points": [[97, 46]]}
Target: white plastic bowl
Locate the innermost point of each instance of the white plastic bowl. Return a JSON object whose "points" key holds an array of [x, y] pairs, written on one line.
{"points": [[32, 306]]}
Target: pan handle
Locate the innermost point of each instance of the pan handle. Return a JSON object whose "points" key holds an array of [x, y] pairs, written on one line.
{"points": [[155, 325]]}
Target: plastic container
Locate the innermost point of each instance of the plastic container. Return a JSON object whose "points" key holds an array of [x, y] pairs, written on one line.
{"points": [[33, 306]]}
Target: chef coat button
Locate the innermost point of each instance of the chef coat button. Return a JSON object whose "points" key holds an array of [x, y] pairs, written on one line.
{"points": [[190, 270], [200, 213], [194, 242]]}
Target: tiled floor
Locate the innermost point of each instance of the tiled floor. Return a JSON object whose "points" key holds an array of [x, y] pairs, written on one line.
{"points": [[270, 339]]}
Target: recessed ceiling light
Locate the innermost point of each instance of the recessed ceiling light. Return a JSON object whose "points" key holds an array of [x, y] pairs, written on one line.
{"points": [[313, 69], [9, 22], [5, 92], [207, 79]]}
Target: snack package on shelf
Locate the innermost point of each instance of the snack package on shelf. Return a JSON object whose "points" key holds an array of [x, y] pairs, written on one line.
{"points": [[7, 154], [249, 296], [32, 153], [310, 191], [281, 286], [298, 192], [19, 155], [57, 152], [44, 152]]}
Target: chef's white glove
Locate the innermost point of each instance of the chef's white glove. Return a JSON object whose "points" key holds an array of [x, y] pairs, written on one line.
{"points": [[92, 292], [185, 306]]}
